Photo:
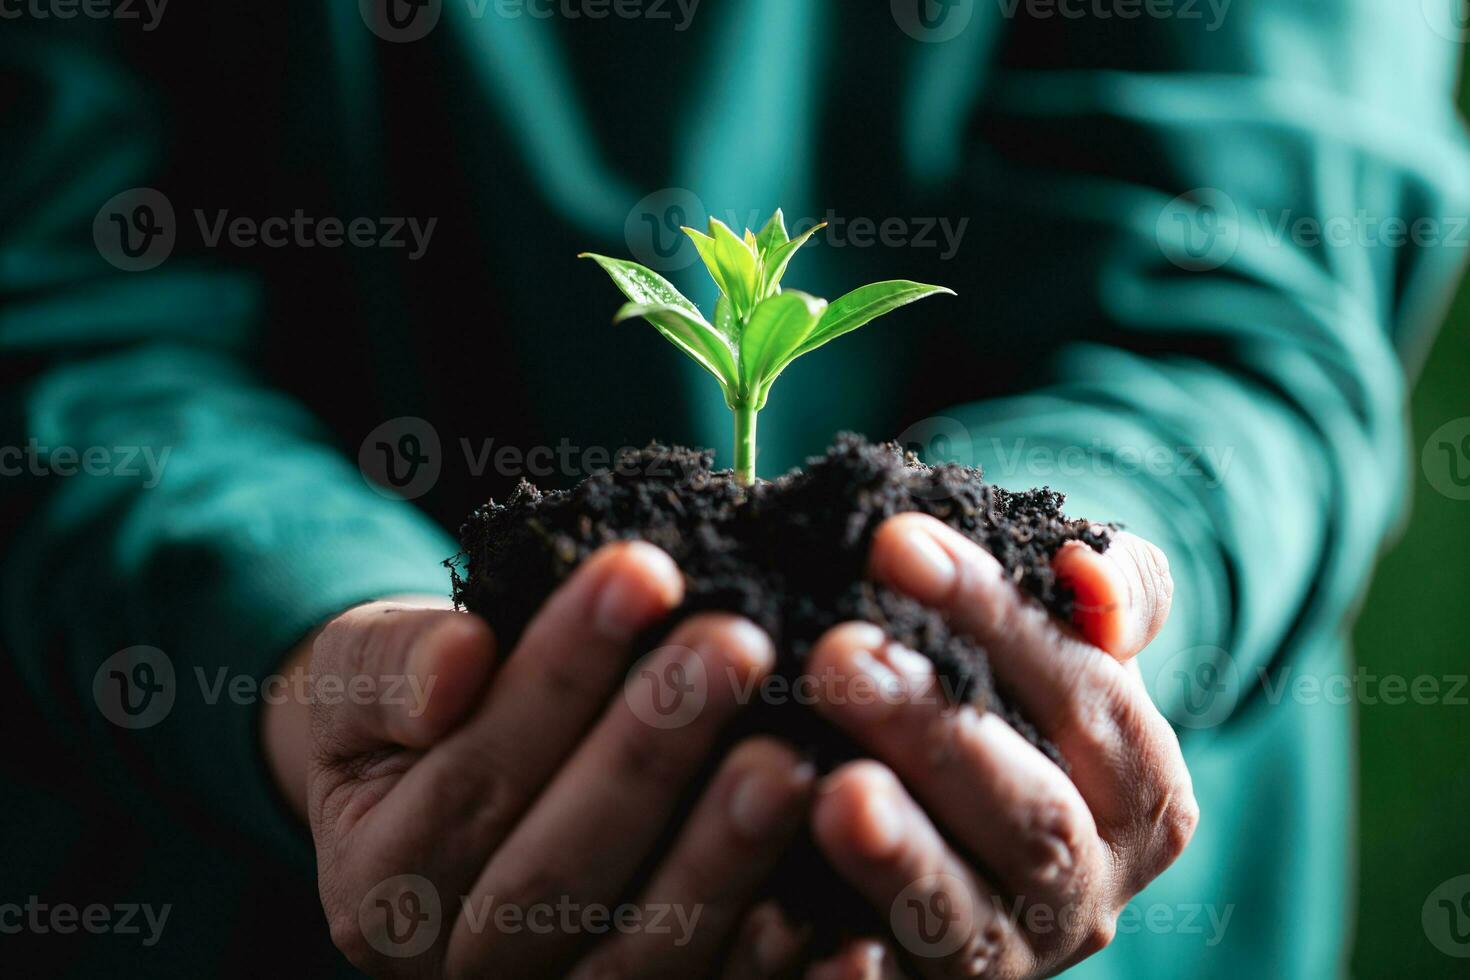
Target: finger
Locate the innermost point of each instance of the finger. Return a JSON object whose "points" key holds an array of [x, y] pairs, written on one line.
{"points": [[768, 946], [734, 837], [1124, 755], [621, 785], [948, 920], [464, 797], [1122, 595], [387, 673], [860, 959], [1037, 838]]}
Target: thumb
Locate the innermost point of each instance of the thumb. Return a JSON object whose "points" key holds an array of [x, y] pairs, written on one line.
{"points": [[1123, 595], [396, 673]]}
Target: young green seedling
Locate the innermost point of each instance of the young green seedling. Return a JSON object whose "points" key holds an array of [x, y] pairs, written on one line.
{"points": [[759, 328]]}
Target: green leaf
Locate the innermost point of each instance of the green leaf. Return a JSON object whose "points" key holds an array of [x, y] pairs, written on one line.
{"points": [[864, 305], [642, 285], [709, 252], [725, 321], [779, 258], [773, 234], [656, 300], [736, 264], [693, 336], [776, 331]]}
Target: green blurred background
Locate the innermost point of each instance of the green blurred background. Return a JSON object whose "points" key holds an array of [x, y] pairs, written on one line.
{"points": [[1415, 760]]}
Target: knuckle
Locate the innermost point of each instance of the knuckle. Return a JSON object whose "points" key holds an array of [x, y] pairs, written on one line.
{"points": [[564, 681], [480, 811], [1057, 836], [1099, 935], [1177, 823], [640, 755], [1172, 817], [1100, 715], [990, 951], [531, 883], [346, 933]]}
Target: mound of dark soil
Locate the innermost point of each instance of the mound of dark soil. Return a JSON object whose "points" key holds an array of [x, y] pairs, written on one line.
{"points": [[789, 554]]}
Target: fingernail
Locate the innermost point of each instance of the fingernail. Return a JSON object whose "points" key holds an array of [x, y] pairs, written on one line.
{"points": [[626, 605], [765, 802], [874, 690], [872, 961], [915, 668], [929, 571]]}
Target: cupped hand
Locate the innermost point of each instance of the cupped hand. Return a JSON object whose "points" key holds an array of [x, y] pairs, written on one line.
{"points": [[497, 825], [986, 858]]}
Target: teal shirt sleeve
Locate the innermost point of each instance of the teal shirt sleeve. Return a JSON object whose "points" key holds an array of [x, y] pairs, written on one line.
{"points": [[1221, 381], [213, 520], [1217, 379]]}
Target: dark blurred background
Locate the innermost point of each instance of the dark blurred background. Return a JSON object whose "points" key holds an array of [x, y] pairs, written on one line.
{"points": [[1415, 760]]}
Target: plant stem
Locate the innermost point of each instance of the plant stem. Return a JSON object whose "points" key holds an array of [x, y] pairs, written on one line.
{"points": [[744, 445]]}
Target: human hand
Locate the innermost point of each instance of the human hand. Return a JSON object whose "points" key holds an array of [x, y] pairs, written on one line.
{"points": [[949, 791], [542, 789]]}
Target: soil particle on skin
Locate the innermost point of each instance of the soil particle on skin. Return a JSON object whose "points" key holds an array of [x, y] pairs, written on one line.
{"points": [[790, 554]]}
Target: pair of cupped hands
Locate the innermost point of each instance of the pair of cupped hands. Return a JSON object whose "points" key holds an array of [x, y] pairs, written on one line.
{"points": [[502, 823]]}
